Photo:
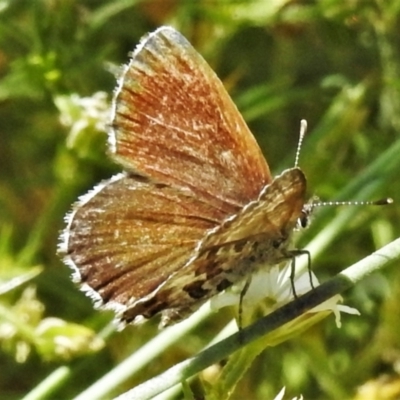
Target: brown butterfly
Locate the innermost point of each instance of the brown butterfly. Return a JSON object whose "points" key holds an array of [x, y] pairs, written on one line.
{"points": [[196, 208]]}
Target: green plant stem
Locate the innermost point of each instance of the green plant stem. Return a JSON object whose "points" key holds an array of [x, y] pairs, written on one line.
{"points": [[51, 383]]}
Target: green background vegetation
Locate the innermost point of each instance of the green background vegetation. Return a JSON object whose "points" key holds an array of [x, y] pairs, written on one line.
{"points": [[334, 63]]}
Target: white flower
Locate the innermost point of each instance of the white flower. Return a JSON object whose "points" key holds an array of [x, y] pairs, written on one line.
{"points": [[273, 288]]}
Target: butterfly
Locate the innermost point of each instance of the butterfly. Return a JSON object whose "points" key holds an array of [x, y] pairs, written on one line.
{"points": [[195, 209]]}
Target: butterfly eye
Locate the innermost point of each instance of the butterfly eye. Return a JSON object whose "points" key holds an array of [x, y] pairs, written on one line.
{"points": [[306, 213], [303, 221]]}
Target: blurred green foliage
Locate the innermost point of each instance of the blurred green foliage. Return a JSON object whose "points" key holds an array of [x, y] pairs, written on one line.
{"points": [[334, 63]]}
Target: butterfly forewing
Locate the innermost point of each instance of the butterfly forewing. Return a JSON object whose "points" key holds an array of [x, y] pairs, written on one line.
{"points": [[175, 123]]}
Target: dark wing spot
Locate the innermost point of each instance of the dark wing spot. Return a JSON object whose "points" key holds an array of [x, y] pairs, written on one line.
{"points": [[195, 290], [148, 308], [239, 246], [223, 285], [276, 243]]}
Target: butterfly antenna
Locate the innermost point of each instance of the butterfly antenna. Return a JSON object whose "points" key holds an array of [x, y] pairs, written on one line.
{"points": [[315, 203], [380, 202], [303, 130]]}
